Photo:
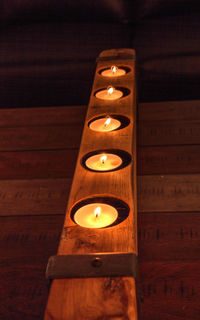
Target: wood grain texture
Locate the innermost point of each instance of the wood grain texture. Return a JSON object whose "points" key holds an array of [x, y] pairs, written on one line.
{"points": [[170, 110], [42, 116], [164, 193], [33, 197], [40, 164], [168, 205], [169, 160], [150, 133], [25, 245], [61, 163], [40, 137], [53, 128], [102, 297], [170, 290], [156, 193], [169, 276], [168, 132], [169, 236]]}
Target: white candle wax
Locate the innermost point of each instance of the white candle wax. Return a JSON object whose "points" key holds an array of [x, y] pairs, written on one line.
{"points": [[105, 124], [113, 72], [109, 94], [95, 215], [103, 162]]}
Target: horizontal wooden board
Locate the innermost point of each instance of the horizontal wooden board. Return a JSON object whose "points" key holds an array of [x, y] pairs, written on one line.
{"points": [[32, 236], [40, 137], [33, 197], [169, 160], [154, 111], [60, 127], [164, 193], [37, 164], [166, 287], [169, 110], [170, 290], [169, 236], [23, 289], [42, 116], [169, 132], [158, 193], [61, 163], [150, 133]]}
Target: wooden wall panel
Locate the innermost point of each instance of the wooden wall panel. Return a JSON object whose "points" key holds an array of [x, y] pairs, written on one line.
{"points": [[156, 193], [168, 273], [34, 192], [170, 290], [33, 197], [61, 163], [173, 193]]}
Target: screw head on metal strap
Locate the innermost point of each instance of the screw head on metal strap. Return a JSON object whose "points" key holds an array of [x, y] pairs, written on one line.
{"points": [[92, 265]]}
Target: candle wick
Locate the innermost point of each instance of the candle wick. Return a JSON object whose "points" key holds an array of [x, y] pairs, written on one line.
{"points": [[110, 90], [114, 69], [103, 159], [97, 212], [107, 122]]}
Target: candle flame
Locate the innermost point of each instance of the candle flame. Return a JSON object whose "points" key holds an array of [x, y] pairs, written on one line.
{"points": [[97, 212], [103, 159], [110, 90], [114, 69], [107, 122]]}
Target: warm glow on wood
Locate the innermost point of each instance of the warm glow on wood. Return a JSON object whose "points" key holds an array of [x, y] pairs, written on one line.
{"points": [[101, 214], [105, 162], [95, 215], [113, 72], [109, 94], [105, 124]]}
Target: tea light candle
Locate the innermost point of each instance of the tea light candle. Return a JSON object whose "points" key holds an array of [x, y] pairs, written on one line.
{"points": [[109, 94], [113, 72], [103, 162], [104, 124], [95, 215]]}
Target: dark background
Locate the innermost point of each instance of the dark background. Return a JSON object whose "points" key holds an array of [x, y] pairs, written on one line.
{"points": [[48, 48]]}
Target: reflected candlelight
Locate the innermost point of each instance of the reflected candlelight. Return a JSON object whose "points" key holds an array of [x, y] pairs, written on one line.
{"points": [[114, 71], [96, 215], [103, 159], [97, 212], [109, 94], [105, 162], [105, 124]]}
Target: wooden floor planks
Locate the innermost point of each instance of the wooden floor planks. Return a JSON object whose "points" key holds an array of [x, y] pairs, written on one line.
{"points": [[37, 150]]}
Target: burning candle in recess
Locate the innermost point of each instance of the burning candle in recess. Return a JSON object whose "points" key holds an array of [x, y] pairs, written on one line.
{"points": [[105, 124], [112, 72], [95, 215], [103, 162], [109, 94]]}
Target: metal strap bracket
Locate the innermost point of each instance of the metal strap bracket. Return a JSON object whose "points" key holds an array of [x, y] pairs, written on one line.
{"points": [[92, 265]]}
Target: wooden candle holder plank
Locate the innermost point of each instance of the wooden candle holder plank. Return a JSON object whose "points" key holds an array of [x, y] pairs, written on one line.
{"points": [[95, 298]]}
